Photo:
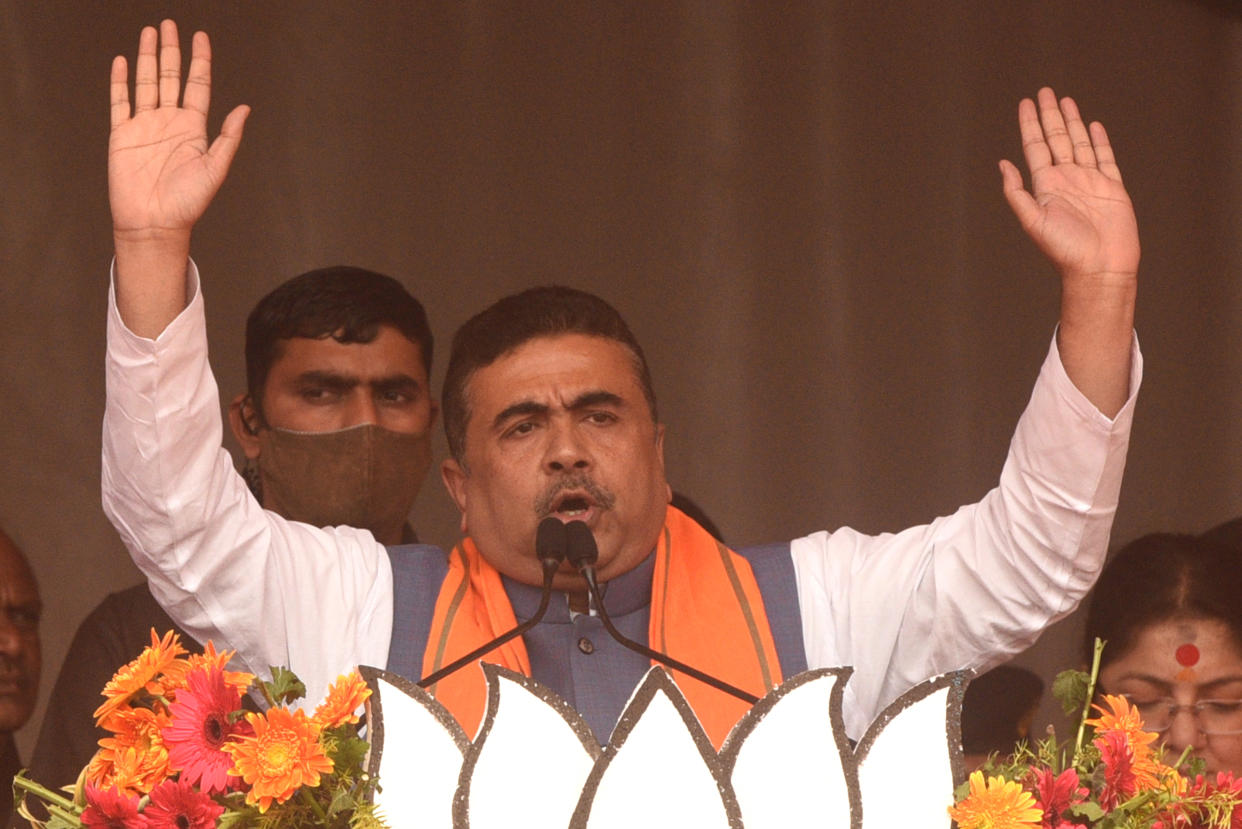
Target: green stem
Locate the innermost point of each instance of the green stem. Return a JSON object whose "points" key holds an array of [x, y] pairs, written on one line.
{"points": [[1086, 703], [309, 800], [43, 792]]}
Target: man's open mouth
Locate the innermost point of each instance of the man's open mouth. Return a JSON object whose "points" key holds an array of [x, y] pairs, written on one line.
{"points": [[572, 506]]}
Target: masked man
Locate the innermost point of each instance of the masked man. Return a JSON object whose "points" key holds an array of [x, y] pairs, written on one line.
{"points": [[549, 411], [336, 429]]}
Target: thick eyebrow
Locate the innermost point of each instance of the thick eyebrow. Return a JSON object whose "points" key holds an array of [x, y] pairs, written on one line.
{"points": [[344, 382], [524, 407], [331, 379], [594, 398]]}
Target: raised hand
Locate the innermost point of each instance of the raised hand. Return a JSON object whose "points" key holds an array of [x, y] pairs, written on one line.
{"points": [[162, 173], [1079, 213], [1080, 216]]}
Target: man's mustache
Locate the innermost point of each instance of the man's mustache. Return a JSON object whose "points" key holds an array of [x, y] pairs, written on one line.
{"points": [[600, 497]]}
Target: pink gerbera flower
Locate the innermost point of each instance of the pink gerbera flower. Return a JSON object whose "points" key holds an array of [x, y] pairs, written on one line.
{"points": [[176, 804], [200, 728], [109, 809], [1055, 793]]}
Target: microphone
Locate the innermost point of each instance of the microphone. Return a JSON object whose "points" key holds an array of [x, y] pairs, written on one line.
{"points": [[582, 552], [550, 546]]}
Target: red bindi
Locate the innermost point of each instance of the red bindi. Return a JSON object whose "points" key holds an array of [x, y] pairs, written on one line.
{"points": [[1187, 655]]}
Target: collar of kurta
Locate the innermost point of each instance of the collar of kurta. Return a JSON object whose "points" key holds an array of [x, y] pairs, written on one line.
{"points": [[706, 611]]}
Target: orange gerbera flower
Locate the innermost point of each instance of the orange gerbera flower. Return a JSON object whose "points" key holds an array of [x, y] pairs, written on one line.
{"points": [[134, 759], [998, 804], [1119, 717], [210, 658], [344, 698], [143, 674], [283, 755]]}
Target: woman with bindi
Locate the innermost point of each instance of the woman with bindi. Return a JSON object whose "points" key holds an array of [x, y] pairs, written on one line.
{"points": [[1169, 609]]}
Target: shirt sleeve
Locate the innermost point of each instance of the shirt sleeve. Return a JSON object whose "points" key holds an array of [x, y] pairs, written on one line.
{"points": [[280, 593], [971, 588]]}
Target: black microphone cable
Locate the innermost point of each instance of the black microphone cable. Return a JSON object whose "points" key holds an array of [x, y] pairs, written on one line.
{"points": [[550, 545], [582, 553]]}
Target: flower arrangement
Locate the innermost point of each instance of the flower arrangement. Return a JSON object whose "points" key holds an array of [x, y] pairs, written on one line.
{"points": [[1110, 777], [184, 752]]}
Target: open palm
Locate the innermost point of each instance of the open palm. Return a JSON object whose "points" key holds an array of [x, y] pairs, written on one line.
{"points": [[1078, 212], [161, 172]]}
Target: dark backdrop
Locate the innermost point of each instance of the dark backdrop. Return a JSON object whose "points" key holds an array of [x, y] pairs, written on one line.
{"points": [[796, 205]]}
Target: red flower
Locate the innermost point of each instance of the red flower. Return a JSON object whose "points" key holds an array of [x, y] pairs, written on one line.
{"points": [[175, 804], [1120, 782], [1055, 794], [1226, 792], [200, 728], [109, 809]]}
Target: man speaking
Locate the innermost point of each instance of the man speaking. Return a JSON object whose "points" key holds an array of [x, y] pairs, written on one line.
{"points": [[549, 412]]}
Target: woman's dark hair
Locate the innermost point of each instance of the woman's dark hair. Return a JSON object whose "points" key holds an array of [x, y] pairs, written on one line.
{"points": [[1159, 578]]}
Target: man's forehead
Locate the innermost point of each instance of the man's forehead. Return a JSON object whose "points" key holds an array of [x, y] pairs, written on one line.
{"points": [[556, 369], [390, 352]]}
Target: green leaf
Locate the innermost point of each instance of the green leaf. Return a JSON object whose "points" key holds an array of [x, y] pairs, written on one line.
{"points": [[1070, 690], [285, 687], [1090, 810]]}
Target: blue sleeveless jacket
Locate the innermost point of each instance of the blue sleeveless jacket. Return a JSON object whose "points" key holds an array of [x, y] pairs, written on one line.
{"points": [[572, 653]]}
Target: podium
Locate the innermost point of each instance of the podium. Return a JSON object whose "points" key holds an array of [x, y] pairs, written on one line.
{"points": [[786, 763]]}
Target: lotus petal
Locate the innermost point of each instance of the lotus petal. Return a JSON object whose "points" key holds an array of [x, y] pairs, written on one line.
{"points": [[529, 761], [788, 755], [420, 765]]}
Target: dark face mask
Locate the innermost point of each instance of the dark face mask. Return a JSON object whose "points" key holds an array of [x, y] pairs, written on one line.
{"points": [[364, 476]]}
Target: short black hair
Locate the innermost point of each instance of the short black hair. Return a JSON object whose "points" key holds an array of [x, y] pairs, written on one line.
{"points": [[537, 312], [1158, 578], [345, 303]]}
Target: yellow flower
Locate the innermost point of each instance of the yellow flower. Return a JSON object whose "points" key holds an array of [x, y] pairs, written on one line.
{"points": [[143, 674], [283, 755], [134, 758], [343, 700], [210, 658], [1000, 804]]}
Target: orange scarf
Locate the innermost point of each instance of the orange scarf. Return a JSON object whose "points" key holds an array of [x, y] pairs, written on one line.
{"points": [[706, 611]]}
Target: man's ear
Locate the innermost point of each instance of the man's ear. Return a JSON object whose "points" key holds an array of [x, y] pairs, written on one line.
{"points": [[243, 420], [455, 477], [668, 497]]}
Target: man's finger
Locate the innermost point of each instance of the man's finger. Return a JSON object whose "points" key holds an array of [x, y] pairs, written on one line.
{"points": [[1020, 201], [1084, 153], [1034, 148], [1104, 152], [198, 79], [170, 65], [220, 153], [1055, 134], [118, 87], [146, 90]]}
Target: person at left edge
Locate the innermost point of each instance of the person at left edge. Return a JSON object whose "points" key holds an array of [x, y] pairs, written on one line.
{"points": [[336, 429], [20, 659]]}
